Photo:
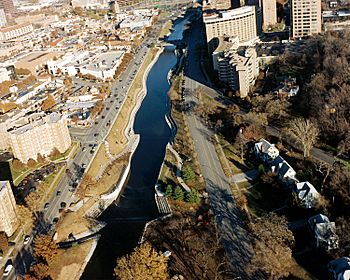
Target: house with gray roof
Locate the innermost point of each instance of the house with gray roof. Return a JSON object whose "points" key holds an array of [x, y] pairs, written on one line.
{"points": [[324, 232], [307, 194], [266, 151], [339, 269]]}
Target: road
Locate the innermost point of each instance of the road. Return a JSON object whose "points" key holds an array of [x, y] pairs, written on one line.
{"points": [[233, 233]]}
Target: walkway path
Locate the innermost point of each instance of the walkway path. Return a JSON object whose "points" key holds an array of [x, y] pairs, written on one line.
{"points": [[179, 164], [244, 176]]}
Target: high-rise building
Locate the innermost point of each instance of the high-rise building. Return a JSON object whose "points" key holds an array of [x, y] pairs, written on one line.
{"points": [[269, 9], [237, 67], [8, 216], [306, 17], [240, 22], [40, 136], [8, 6], [3, 21]]}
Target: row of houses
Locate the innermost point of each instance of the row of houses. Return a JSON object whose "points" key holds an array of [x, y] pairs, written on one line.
{"points": [[324, 232], [322, 229], [269, 154]]}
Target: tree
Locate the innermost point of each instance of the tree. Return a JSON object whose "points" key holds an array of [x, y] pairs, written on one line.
{"points": [[143, 264], [48, 103], [17, 164], [4, 244], [343, 232], [45, 249], [40, 271], [25, 216], [55, 152], [22, 71], [305, 132], [40, 158], [178, 193], [192, 197], [169, 191], [188, 173], [31, 163], [68, 82], [272, 253]]}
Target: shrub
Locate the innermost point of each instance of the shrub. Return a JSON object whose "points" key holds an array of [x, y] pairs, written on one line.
{"points": [[178, 193]]}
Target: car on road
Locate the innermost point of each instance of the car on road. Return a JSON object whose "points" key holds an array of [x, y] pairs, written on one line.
{"points": [[83, 165], [46, 205], [8, 269], [26, 239], [58, 193]]}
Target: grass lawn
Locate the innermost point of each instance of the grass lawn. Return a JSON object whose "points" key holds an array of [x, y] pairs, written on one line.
{"points": [[100, 159], [263, 199], [74, 147], [237, 165], [166, 29], [166, 173]]}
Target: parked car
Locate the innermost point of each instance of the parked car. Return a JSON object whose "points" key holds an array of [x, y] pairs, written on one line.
{"points": [[58, 193], [26, 239], [8, 269], [46, 205]]}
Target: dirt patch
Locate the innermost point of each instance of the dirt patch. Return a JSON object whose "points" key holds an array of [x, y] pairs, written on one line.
{"points": [[68, 262]]}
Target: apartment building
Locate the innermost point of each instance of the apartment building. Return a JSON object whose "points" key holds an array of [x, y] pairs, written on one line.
{"points": [[8, 215], [237, 68], [269, 10], [240, 22], [3, 21], [16, 31], [40, 136], [306, 18]]}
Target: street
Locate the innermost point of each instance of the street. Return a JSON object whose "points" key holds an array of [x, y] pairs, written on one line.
{"points": [[233, 233]]}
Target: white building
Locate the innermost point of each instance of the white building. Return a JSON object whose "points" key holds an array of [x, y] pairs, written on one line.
{"points": [[307, 194], [265, 150], [3, 21], [101, 65], [240, 22], [90, 4], [6, 74], [40, 136], [16, 31], [8, 215], [139, 21]]}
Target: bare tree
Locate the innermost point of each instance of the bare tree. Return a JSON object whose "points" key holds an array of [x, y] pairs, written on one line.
{"points": [[305, 132], [272, 252]]}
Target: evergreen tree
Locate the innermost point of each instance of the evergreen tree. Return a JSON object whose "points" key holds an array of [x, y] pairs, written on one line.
{"points": [[192, 197], [178, 193], [188, 173], [169, 191]]}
